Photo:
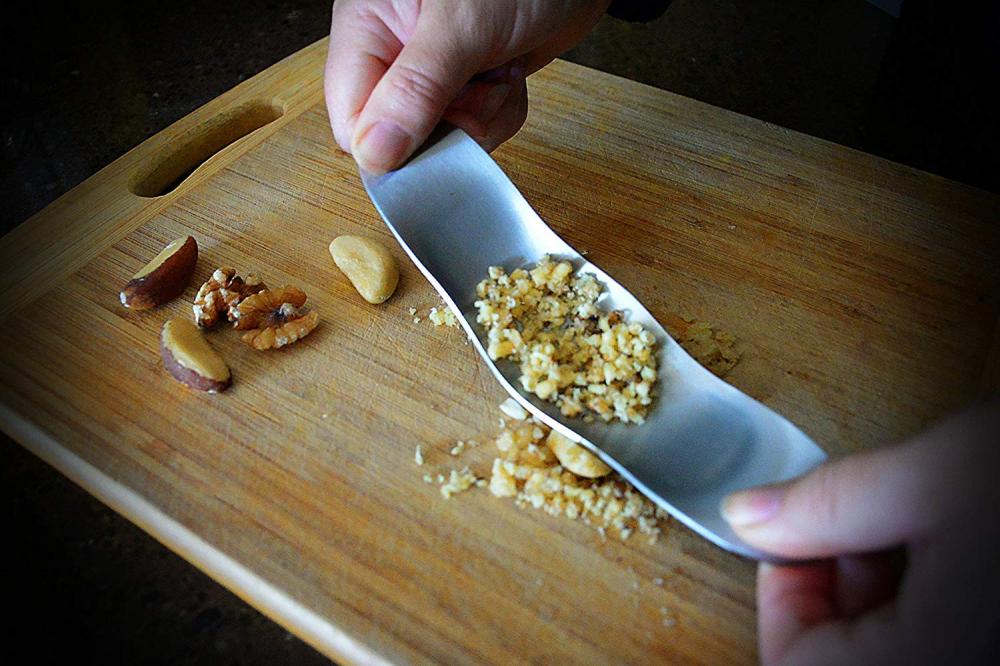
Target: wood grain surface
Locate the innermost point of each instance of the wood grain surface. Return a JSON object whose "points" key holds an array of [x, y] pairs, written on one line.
{"points": [[864, 293]]}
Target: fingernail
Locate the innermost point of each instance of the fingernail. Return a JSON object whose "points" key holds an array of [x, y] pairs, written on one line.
{"points": [[750, 507], [382, 147], [493, 101]]}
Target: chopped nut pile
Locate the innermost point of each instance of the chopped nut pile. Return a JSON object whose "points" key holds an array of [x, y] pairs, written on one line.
{"points": [[540, 468], [529, 471], [568, 351]]}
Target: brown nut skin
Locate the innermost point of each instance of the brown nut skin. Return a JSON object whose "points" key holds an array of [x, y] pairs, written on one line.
{"points": [[164, 278], [204, 369]]}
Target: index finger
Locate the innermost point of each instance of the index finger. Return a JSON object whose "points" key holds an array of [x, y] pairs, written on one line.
{"points": [[362, 47]]}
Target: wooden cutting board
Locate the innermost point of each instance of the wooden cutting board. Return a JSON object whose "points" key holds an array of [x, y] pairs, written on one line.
{"points": [[864, 294]]}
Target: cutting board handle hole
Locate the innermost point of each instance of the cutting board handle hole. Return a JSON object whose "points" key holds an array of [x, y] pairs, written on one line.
{"points": [[173, 168]]}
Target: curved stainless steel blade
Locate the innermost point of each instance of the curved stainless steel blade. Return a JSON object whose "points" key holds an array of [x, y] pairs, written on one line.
{"points": [[456, 214]]}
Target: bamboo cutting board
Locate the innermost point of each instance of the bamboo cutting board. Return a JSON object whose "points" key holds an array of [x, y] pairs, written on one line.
{"points": [[864, 293]]}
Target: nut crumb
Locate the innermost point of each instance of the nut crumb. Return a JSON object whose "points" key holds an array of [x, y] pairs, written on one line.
{"points": [[713, 348], [418, 456], [458, 481], [458, 448], [443, 317], [513, 409]]}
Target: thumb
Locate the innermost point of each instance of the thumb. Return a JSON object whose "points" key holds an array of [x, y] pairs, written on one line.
{"points": [[409, 100], [865, 502], [878, 499]]}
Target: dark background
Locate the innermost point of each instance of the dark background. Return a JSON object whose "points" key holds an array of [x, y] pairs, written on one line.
{"points": [[84, 82]]}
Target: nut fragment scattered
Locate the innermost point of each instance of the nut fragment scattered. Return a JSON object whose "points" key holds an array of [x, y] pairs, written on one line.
{"points": [[575, 458], [274, 318], [188, 357], [221, 295], [713, 348], [569, 352], [513, 409], [369, 266], [458, 481], [443, 317], [164, 278]]}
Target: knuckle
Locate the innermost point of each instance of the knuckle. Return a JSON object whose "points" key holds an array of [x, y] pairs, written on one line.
{"points": [[415, 86]]}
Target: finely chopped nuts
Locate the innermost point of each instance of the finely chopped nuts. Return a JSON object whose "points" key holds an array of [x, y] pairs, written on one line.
{"points": [[546, 320], [528, 471]]}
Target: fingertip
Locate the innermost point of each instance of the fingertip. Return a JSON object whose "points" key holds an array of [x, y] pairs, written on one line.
{"points": [[746, 508], [381, 147]]}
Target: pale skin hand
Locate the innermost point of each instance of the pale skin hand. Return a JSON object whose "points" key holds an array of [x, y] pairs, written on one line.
{"points": [[930, 504], [397, 67]]}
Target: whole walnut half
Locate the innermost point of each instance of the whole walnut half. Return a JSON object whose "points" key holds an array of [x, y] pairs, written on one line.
{"points": [[221, 295], [275, 318]]}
